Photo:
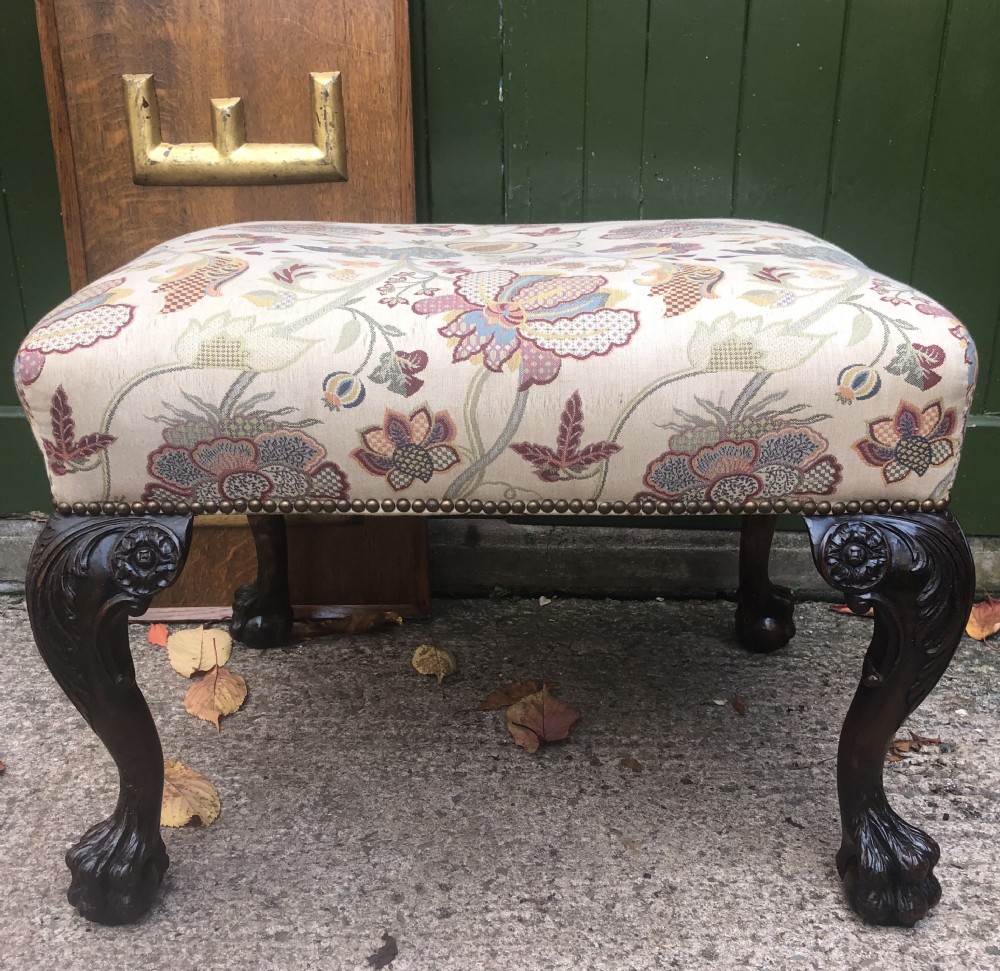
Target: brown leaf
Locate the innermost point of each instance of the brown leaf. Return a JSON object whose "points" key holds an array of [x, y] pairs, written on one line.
{"points": [[984, 621], [631, 762], [218, 693], [428, 659], [540, 718], [903, 746], [357, 623], [844, 609], [3, 767], [738, 706], [509, 694], [187, 796], [158, 635], [195, 650]]}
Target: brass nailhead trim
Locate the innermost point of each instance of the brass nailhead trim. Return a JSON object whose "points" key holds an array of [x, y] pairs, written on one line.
{"points": [[646, 507]]}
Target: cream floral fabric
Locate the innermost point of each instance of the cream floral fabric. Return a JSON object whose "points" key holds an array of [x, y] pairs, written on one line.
{"points": [[679, 361]]}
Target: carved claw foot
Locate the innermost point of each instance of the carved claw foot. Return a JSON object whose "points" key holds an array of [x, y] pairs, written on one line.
{"points": [[917, 574], [887, 868], [258, 624], [763, 609], [116, 871], [86, 575], [262, 611]]}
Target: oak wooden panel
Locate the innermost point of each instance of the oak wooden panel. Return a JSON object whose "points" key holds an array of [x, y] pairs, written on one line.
{"points": [[360, 561], [203, 49]]}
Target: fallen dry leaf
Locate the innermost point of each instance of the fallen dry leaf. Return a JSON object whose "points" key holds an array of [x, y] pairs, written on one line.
{"points": [[544, 601], [187, 796], [217, 693], [199, 649], [630, 762], [540, 718], [428, 659], [738, 705], [902, 746], [844, 609], [984, 621], [3, 767], [509, 694], [158, 634], [362, 621]]}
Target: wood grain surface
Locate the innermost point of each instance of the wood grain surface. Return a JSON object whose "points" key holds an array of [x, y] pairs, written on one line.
{"points": [[257, 50]]}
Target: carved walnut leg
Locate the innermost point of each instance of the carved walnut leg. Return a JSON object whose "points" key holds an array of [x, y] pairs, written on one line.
{"points": [[262, 611], [763, 609], [86, 575], [917, 573]]}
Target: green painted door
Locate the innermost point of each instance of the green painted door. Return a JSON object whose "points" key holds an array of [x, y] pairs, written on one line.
{"points": [[875, 123]]}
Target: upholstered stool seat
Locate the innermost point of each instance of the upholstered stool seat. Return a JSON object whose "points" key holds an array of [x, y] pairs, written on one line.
{"points": [[677, 363], [610, 369]]}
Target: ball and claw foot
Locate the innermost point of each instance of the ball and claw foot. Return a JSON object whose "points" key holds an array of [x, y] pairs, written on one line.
{"points": [[887, 868], [258, 624], [115, 878], [764, 623]]}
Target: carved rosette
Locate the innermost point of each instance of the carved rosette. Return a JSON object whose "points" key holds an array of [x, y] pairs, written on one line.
{"points": [[855, 556], [145, 560]]}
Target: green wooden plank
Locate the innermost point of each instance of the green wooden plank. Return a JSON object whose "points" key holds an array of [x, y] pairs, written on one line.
{"points": [[29, 489], [418, 85], [28, 166], [792, 60], [12, 326], [974, 501], [544, 69], [891, 57], [958, 248], [616, 76], [692, 107], [463, 114]]}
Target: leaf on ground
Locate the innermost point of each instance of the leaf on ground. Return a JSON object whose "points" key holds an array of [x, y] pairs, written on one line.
{"points": [[428, 659], [984, 621], [217, 693], [357, 623], [540, 718], [195, 650], [187, 796], [385, 955], [631, 762], [509, 694], [158, 634], [3, 767], [738, 705], [844, 609], [901, 747]]}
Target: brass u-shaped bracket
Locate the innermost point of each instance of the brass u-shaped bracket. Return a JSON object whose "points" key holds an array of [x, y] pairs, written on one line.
{"points": [[229, 159]]}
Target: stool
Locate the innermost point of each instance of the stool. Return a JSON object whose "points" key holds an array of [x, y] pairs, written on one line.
{"points": [[597, 371]]}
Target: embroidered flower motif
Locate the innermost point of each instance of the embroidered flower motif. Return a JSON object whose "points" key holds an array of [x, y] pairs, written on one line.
{"points": [[542, 318], [917, 364], [225, 341], [909, 441], [342, 390], [399, 370], [404, 449], [204, 277], [857, 382], [283, 463], [90, 316], [790, 461], [66, 453]]}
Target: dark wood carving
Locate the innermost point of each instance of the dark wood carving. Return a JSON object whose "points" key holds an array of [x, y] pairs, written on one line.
{"points": [[917, 573], [85, 577], [763, 609], [262, 611]]}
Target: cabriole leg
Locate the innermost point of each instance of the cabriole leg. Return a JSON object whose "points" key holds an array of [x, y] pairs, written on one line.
{"points": [[262, 611], [917, 573], [763, 609], [86, 575]]}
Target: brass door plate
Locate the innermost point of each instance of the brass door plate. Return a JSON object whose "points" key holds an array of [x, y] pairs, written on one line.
{"points": [[229, 159]]}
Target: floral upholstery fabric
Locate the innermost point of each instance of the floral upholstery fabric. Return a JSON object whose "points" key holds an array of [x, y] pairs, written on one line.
{"points": [[680, 361]]}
